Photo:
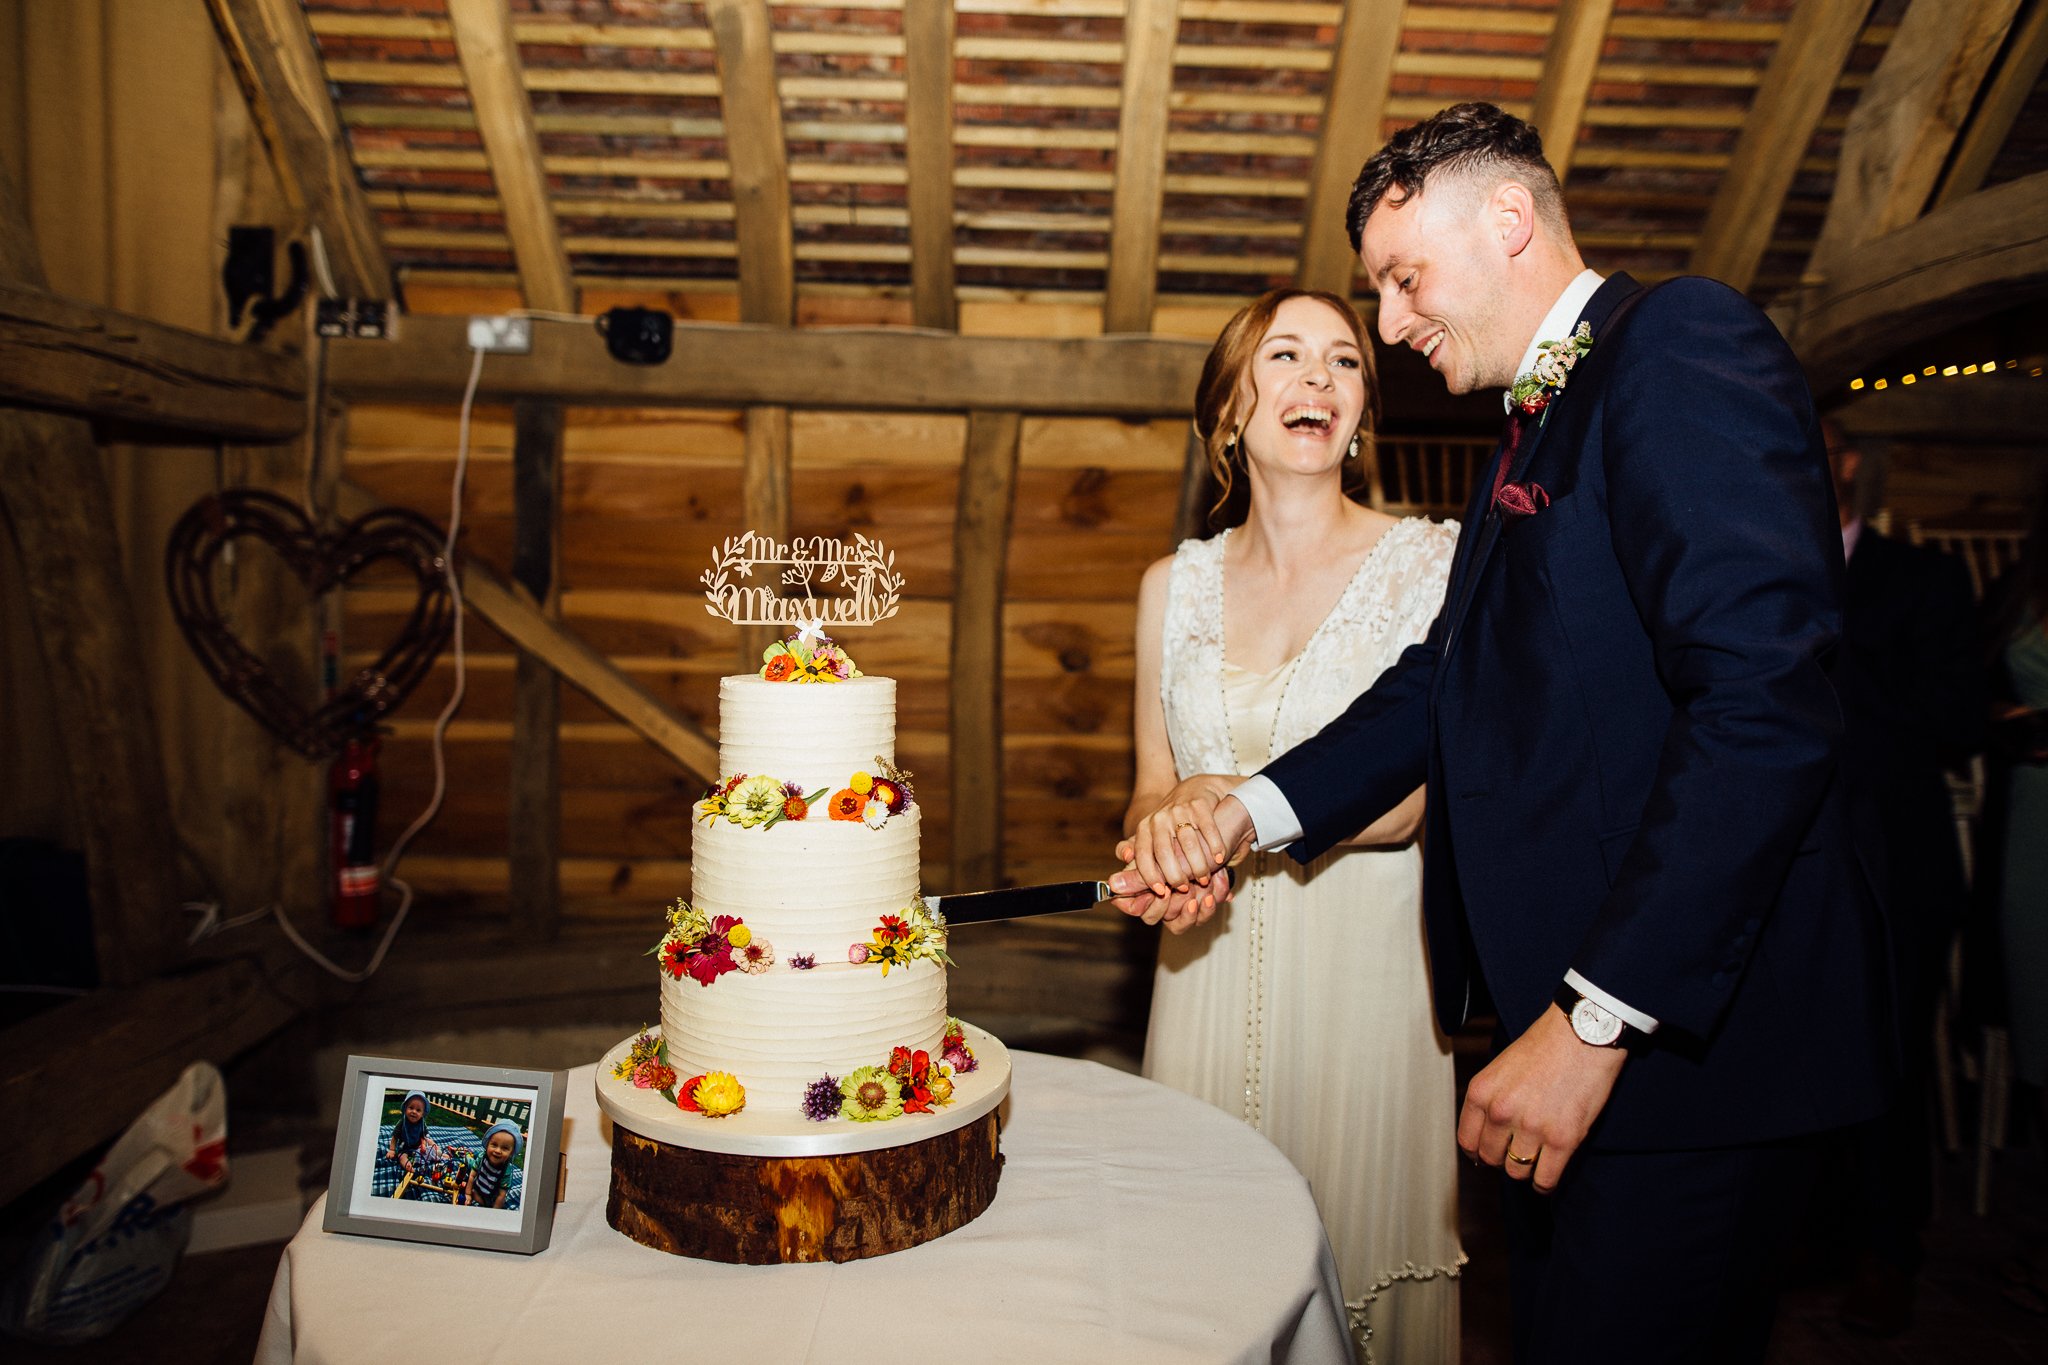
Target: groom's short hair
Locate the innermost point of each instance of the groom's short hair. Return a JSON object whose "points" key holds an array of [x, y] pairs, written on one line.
{"points": [[1463, 140]]}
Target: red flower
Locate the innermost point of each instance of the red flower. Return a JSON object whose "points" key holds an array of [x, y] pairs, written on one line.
{"points": [[674, 958], [891, 928], [793, 808], [706, 963], [847, 804], [899, 1063], [917, 1099], [686, 1095], [920, 1065], [779, 668]]}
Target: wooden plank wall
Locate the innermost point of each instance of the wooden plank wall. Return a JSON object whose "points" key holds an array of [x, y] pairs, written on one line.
{"points": [[646, 496]]}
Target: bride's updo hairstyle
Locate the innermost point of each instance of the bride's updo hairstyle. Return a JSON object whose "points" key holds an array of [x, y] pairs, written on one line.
{"points": [[1225, 400]]}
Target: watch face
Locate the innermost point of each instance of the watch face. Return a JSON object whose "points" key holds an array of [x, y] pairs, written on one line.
{"points": [[1595, 1025]]}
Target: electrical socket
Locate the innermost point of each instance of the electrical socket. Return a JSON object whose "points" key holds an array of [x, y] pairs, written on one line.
{"points": [[513, 335]]}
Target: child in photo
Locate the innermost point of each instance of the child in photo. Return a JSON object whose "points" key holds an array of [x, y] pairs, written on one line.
{"points": [[486, 1186], [409, 1139]]}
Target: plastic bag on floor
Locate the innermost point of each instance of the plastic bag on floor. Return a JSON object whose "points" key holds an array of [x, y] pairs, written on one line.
{"points": [[114, 1243]]}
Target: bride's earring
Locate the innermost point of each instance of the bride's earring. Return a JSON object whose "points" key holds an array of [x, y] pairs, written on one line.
{"points": [[1230, 446], [1356, 445]]}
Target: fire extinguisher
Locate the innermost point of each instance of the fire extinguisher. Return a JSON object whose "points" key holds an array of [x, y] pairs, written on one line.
{"points": [[352, 834]]}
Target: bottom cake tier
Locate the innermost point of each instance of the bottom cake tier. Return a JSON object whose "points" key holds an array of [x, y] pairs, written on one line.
{"points": [[771, 1186]]}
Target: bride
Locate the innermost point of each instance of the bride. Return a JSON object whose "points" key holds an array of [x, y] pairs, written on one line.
{"points": [[1303, 1005]]}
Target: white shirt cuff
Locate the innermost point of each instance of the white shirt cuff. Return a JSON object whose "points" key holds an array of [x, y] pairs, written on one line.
{"points": [[1635, 1019], [1274, 823]]}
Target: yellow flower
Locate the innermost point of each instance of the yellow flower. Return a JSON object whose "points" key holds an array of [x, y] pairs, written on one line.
{"points": [[862, 783], [942, 1087], [720, 1093], [739, 936]]}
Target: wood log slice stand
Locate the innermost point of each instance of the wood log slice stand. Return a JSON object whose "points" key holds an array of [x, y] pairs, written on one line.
{"points": [[759, 1189]]}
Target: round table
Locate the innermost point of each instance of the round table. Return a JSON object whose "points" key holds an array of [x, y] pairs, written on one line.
{"points": [[1133, 1224]]}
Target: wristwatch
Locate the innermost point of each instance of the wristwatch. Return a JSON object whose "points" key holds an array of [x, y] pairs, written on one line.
{"points": [[1596, 1025]]}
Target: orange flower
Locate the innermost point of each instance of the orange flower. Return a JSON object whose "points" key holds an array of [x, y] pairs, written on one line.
{"points": [[847, 804], [794, 808], [779, 668]]}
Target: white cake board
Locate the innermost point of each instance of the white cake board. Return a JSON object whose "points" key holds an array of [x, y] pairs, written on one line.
{"points": [[765, 1132]]}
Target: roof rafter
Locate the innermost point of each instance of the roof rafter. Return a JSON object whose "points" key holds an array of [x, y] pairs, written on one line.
{"points": [[928, 160], [1568, 67], [1905, 123], [1803, 73], [271, 51], [2017, 74], [1361, 75], [759, 158], [1139, 199], [490, 61]]}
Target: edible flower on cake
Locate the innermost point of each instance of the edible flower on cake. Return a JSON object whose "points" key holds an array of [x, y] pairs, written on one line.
{"points": [[822, 1100], [714, 1094], [642, 1050], [653, 1075], [954, 1050], [798, 660], [848, 804], [703, 948], [754, 957], [756, 802], [871, 1094]]}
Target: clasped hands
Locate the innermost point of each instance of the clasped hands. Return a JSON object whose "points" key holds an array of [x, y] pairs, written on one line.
{"points": [[1179, 857]]}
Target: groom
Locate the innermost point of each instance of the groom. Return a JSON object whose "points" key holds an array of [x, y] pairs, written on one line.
{"points": [[1624, 720]]}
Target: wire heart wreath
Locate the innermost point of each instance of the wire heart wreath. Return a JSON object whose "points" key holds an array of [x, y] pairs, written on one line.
{"points": [[322, 562]]}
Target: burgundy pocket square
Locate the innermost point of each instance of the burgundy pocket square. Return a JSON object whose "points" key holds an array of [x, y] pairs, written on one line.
{"points": [[1518, 500]]}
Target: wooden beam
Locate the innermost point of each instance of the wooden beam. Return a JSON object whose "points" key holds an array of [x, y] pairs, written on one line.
{"points": [[2018, 72], [764, 497], [89, 361], [1150, 27], [504, 116], [754, 144], [981, 549], [1804, 71], [2006, 409], [1976, 257], [1902, 128], [537, 689], [1568, 67], [271, 51], [718, 365], [54, 494], [928, 158], [1360, 79]]}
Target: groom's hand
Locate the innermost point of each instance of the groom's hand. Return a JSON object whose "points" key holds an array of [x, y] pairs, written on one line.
{"points": [[1538, 1099], [1179, 911]]}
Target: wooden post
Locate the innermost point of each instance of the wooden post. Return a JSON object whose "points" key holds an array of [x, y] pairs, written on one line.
{"points": [[53, 490], [981, 546], [764, 476], [537, 696]]}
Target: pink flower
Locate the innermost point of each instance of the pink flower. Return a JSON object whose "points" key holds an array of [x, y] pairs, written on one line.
{"points": [[857, 954]]}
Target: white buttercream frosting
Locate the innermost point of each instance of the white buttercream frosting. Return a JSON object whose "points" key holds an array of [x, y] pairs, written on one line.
{"points": [[816, 886]]}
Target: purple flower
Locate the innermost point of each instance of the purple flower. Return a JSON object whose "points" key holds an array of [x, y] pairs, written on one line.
{"points": [[960, 1059], [802, 962], [822, 1099]]}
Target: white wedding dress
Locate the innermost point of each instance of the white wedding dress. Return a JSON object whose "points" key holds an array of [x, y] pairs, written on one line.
{"points": [[1303, 1006]]}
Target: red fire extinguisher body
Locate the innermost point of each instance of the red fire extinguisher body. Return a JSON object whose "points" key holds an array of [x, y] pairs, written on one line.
{"points": [[352, 828]]}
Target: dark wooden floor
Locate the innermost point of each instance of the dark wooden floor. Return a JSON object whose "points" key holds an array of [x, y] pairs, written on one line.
{"points": [[1966, 1310]]}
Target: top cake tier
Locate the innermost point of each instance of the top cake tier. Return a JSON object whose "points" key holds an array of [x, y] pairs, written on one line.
{"points": [[812, 734]]}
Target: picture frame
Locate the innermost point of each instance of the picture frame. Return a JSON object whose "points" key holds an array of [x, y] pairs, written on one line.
{"points": [[437, 1172]]}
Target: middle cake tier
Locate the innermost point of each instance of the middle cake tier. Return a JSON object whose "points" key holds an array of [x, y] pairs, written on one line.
{"points": [[811, 887]]}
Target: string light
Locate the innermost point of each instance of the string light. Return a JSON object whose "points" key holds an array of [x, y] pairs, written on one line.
{"points": [[1909, 378]]}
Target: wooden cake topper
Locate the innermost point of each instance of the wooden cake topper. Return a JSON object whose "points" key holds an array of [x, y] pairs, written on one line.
{"points": [[864, 571]]}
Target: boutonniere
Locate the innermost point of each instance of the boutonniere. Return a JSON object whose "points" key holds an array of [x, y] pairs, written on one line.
{"points": [[1534, 388]]}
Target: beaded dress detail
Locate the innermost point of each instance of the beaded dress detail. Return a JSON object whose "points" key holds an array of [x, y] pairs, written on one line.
{"points": [[1303, 1006]]}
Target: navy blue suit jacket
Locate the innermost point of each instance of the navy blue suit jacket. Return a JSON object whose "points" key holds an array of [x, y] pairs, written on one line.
{"points": [[1626, 725]]}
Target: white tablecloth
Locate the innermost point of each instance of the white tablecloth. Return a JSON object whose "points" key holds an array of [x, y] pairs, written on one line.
{"points": [[1133, 1224]]}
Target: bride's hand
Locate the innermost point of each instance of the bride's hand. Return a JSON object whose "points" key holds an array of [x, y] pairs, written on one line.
{"points": [[1181, 844], [1179, 912]]}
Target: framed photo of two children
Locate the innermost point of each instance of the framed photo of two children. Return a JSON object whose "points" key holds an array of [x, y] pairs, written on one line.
{"points": [[442, 1152]]}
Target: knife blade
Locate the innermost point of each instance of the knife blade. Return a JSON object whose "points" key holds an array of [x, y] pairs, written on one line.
{"points": [[1017, 902]]}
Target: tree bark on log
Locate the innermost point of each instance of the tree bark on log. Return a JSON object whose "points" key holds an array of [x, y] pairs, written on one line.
{"points": [[752, 1210]]}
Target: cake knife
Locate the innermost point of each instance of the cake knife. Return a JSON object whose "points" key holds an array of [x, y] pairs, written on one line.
{"points": [[1016, 902]]}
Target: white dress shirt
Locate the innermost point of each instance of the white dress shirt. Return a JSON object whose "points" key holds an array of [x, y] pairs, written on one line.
{"points": [[1274, 823]]}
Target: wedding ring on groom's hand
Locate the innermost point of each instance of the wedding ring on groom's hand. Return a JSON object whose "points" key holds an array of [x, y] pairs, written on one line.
{"points": [[1518, 1159]]}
